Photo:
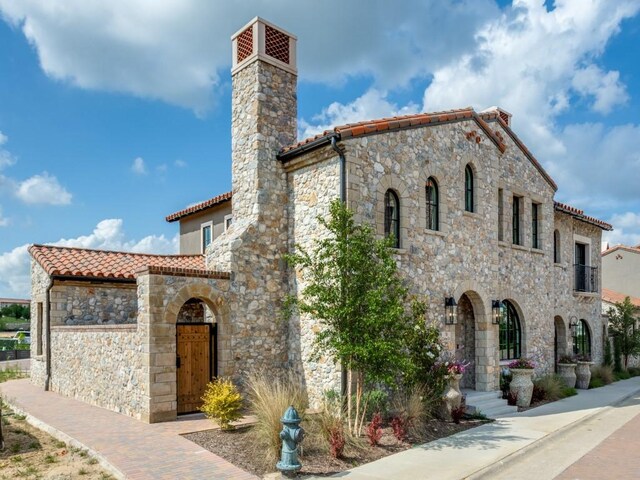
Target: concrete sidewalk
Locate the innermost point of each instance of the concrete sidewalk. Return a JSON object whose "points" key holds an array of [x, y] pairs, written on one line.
{"points": [[476, 453], [125, 447]]}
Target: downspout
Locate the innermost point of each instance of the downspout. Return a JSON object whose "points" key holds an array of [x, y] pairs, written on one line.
{"points": [[343, 199], [47, 380]]}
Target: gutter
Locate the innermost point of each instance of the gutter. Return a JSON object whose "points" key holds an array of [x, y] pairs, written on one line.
{"points": [[343, 169]]}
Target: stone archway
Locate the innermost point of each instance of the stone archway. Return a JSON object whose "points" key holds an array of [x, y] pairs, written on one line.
{"points": [[561, 346], [466, 341]]}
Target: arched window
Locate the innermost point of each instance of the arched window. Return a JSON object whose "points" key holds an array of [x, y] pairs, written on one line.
{"points": [[468, 189], [582, 339], [431, 192], [510, 333], [392, 216], [556, 246]]}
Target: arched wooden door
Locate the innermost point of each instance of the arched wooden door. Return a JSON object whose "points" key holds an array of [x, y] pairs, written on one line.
{"points": [[195, 358]]}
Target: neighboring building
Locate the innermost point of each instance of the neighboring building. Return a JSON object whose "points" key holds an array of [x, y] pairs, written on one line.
{"points": [[472, 211], [621, 270], [7, 302]]}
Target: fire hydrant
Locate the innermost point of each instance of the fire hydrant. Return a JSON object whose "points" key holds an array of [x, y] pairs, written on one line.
{"points": [[292, 435]]}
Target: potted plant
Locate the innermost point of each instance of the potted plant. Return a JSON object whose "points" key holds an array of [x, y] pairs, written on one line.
{"points": [[583, 371], [452, 396], [567, 370], [521, 385]]}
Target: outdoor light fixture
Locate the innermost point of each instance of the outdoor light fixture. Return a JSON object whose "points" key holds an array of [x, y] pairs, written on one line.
{"points": [[496, 307], [573, 323], [450, 311]]}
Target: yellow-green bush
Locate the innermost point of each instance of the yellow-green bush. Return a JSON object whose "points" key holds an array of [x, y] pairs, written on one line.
{"points": [[222, 403]]}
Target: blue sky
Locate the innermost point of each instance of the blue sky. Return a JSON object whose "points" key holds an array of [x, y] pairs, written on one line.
{"points": [[115, 114]]}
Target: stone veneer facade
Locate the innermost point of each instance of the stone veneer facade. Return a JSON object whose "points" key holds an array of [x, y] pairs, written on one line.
{"points": [[131, 364]]}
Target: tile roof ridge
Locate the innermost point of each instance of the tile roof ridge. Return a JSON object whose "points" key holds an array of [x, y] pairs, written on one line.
{"points": [[196, 207], [37, 246]]}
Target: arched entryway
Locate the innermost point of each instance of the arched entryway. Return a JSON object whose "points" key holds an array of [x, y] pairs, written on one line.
{"points": [[196, 354], [561, 343], [466, 341]]}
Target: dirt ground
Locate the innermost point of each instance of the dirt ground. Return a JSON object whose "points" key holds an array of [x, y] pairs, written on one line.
{"points": [[233, 446], [32, 454]]}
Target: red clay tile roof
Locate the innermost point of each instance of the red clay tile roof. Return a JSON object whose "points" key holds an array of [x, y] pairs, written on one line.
{"points": [[199, 207], [15, 301], [393, 123], [635, 249], [80, 262], [579, 214], [411, 121], [612, 296]]}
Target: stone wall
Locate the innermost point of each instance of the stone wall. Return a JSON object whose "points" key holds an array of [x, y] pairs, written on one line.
{"points": [[99, 365], [39, 283], [191, 312], [83, 303]]}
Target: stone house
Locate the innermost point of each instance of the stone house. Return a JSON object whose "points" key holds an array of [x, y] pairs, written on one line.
{"points": [[478, 234]]}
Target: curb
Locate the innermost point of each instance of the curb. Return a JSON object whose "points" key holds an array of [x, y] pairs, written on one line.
{"points": [[539, 443], [59, 435]]}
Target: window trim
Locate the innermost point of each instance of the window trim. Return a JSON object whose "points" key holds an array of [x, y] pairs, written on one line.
{"points": [[391, 194], [203, 226], [432, 205], [516, 231], [556, 246], [228, 220], [586, 338], [510, 318]]}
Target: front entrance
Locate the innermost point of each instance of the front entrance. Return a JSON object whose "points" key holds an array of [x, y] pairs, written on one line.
{"points": [[194, 360], [466, 341]]}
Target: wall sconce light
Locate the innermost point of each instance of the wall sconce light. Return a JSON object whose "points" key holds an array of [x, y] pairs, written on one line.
{"points": [[573, 323], [496, 311], [450, 311]]}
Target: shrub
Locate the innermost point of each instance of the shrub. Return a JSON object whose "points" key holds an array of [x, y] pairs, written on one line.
{"points": [[604, 374], [596, 383], [505, 380], [222, 403], [634, 371], [622, 375], [268, 399], [569, 392], [566, 359], [608, 355], [414, 407], [458, 412], [374, 430], [548, 388], [512, 398], [336, 440], [376, 401], [399, 426]]}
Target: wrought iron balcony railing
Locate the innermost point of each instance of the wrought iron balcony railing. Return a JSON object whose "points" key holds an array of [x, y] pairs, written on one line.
{"points": [[586, 279]]}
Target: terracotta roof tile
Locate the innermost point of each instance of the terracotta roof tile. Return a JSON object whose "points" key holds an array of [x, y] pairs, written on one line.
{"points": [[80, 262], [579, 214], [395, 123], [635, 249], [612, 296], [199, 207]]}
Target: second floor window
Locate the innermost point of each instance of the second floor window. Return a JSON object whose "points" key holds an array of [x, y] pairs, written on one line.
{"points": [[431, 191], [516, 221], [206, 237], [392, 216], [468, 189], [556, 246], [535, 238]]}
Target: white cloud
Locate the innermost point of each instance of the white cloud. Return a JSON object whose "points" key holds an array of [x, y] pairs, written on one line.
{"points": [[180, 163], [138, 166], [44, 189], [373, 104], [108, 234], [626, 230], [6, 159], [606, 88], [174, 50]]}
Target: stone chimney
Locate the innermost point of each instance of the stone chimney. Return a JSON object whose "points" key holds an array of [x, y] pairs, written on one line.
{"points": [[264, 118]]}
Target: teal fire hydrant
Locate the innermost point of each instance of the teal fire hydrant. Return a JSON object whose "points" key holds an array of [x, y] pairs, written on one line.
{"points": [[292, 435]]}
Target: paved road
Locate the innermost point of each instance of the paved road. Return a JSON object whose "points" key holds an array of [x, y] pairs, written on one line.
{"points": [[603, 447]]}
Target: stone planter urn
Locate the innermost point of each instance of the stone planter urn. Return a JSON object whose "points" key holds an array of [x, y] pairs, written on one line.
{"points": [[452, 397], [521, 385], [583, 375], [567, 371]]}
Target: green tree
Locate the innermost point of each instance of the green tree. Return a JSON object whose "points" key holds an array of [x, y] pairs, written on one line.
{"points": [[352, 287], [622, 324]]}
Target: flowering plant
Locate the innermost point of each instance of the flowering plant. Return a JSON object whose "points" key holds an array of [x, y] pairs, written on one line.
{"points": [[456, 367], [582, 358], [522, 363]]}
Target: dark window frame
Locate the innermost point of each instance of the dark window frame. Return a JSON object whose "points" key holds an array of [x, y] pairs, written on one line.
{"points": [[432, 196], [203, 240], [515, 221], [392, 216], [510, 332], [468, 189], [535, 225], [556, 246], [582, 338]]}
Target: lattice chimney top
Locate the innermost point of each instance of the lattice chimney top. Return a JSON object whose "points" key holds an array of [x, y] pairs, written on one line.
{"points": [[504, 115], [262, 40]]}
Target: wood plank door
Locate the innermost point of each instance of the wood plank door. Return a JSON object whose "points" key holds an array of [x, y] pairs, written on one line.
{"points": [[194, 364]]}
